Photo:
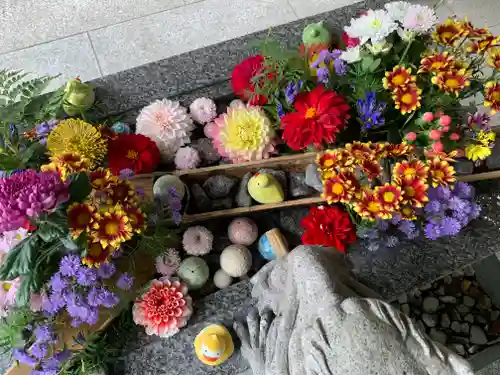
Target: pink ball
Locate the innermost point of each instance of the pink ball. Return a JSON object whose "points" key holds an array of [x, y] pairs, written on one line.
{"points": [[242, 231], [411, 136], [428, 117], [437, 147], [435, 135], [445, 120], [454, 136]]}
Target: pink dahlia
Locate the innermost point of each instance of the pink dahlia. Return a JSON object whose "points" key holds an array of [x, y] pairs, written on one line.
{"points": [[203, 110], [164, 308], [28, 194]]}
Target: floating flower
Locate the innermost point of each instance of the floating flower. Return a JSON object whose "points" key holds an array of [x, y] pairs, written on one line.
{"points": [[371, 168], [77, 137], [477, 152], [242, 134], [483, 45], [399, 77], [187, 158], [27, 194], [371, 111], [448, 32], [340, 188], [374, 25], [436, 63], [328, 226], [197, 240], [320, 114], [492, 96], [414, 191], [203, 110], [168, 124], [407, 99], [452, 81], [441, 172], [132, 151], [168, 263], [413, 168], [389, 197], [111, 227], [494, 58], [100, 178], [80, 218], [369, 208], [399, 149], [137, 218], [164, 308], [97, 254], [419, 18], [242, 79]]}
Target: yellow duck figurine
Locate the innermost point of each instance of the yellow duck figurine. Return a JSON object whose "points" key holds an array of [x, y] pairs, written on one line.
{"points": [[264, 188], [214, 345]]}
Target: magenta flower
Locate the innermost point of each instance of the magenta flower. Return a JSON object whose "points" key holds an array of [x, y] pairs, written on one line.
{"points": [[28, 194]]}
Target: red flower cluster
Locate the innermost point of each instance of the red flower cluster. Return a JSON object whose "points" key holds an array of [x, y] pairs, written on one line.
{"points": [[348, 41], [132, 151], [241, 79], [328, 226], [320, 115]]}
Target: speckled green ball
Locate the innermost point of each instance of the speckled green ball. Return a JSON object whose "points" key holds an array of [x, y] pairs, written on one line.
{"points": [[194, 272]]}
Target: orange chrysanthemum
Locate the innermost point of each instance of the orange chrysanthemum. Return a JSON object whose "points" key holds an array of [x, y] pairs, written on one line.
{"points": [[441, 172], [408, 213], [396, 150], [414, 191], [333, 161], [359, 151], [452, 81], [371, 168], [101, 178], [340, 188], [448, 32], [120, 191], [379, 149], [399, 77], [111, 228], [449, 157], [435, 63], [407, 99], [492, 96], [389, 196], [470, 31], [97, 255], [483, 45], [80, 218], [494, 58], [414, 168], [369, 208], [137, 218]]}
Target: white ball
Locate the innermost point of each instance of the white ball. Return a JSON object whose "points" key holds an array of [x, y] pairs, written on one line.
{"points": [[236, 260], [222, 280]]}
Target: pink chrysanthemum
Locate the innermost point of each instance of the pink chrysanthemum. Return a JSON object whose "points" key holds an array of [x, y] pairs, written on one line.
{"points": [[187, 158], [203, 110], [168, 124], [27, 194], [168, 263], [164, 308], [8, 291], [197, 240]]}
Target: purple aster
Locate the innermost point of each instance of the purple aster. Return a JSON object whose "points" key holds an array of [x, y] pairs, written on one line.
{"points": [[76, 322], [279, 110], [125, 281], [463, 190], [106, 270], [58, 282], [92, 317], [450, 226], [109, 299], [43, 333], [175, 205], [432, 231], [77, 308], [382, 225], [23, 357], [70, 265], [396, 218], [392, 241], [86, 276], [479, 121], [407, 227], [95, 297], [323, 75], [292, 90], [440, 193], [44, 372], [370, 111], [373, 246], [53, 304], [39, 350], [433, 207], [457, 204]]}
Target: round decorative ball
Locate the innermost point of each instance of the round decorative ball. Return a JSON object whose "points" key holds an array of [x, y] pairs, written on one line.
{"points": [[242, 231], [121, 127], [165, 182], [197, 240], [222, 280], [272, 245], [236, 260], [194, 272]]}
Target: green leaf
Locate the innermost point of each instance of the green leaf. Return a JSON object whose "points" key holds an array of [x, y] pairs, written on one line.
{"points": [[374, 65], [28, 153], [69, 243], [366, 63], [54, 226], [20, 260], [79, 187]]}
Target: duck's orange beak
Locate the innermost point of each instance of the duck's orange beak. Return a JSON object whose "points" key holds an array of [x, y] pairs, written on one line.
{"points": [[210, 359]]}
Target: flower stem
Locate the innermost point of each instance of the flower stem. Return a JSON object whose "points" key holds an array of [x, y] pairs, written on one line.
{"points": [[405, 51]]}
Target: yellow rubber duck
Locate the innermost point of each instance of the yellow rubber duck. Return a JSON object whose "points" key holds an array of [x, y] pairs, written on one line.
{"points": [[264, 188], [214, 345]]}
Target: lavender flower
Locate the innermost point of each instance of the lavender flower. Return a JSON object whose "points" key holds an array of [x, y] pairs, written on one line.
{"points": [[323, 75], [292, 90], [432, 231], [125, 281], [70, 265], [279, 110], [450, 226], [106, 270], [43, 130], [43, 333], [479, 120], [58, 282], [23, 357], [39, 350], [175, 204], [371, 111], [86, 276]]}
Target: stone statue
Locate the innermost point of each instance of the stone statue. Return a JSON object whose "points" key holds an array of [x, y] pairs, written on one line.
{"points": [[312, 317]]}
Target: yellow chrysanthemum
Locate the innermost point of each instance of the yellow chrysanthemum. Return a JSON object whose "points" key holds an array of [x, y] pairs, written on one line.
{"points": [[477, 152], [452, 81], [492, 96], [448, 32], [483, 45], [485, 137], [111, 227], [407, 99], [494, 58], [78, 137]]}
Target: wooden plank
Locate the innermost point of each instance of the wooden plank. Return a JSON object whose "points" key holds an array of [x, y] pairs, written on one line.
{"points": [[480, 176]]}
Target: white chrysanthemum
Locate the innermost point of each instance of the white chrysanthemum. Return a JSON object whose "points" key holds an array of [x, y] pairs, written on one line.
{"points": [[168, 263], [376, 25], [168, 124], [351, 55], [203, 110], [420, 18], [397, 10]]}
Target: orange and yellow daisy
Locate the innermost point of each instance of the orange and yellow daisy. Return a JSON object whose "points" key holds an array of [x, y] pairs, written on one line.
{"points": [[81, 216], [441, 172], [472, 32], [97, 254], [448, 32], [396, 150], [359, 151], [413, 168], [379, 149], [340, 188], [101, 178], [369, 208], [407, 99], [452, 81], [120, 191], [483, 45], [66, 164], [399, 77], [436, 63], [494, 58], [408, 213], [414, 191], [492, 96], [333, 161], [371, 168], [137, 218], [449, 157], [389, 196], [111, 227]]}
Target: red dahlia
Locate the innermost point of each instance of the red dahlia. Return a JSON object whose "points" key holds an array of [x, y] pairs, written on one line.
{"points": [[320, 115], [241, 79], [132, 151], [328, 226]]}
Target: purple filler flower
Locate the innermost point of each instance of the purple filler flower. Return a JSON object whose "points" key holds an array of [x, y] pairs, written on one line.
{"points": [[43, 130], [450, 226], [463, 190], [432, 231], [70, 265], [292, 90], [125, 281], [371, 111], [23, 357], [109, 299], [175, 204], [39, 350], [106, 270], [279, 110], [43, 333], [323, 75], [479, 120], [86, 276], [58, 283]]}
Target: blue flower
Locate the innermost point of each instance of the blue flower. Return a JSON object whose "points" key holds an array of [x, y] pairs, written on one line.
{"points": [[292, 90], [280, 111], [323, 75], [370, 111]]}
